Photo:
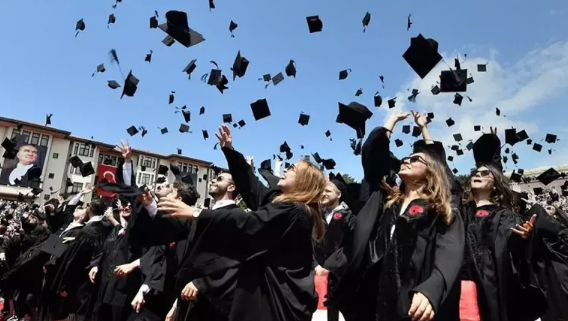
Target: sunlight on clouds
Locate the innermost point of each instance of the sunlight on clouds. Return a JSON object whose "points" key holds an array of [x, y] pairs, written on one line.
{"points": [[513, 87]]}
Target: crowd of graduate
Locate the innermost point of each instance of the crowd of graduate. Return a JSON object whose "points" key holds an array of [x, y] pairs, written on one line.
{"points": [[407, 243]]}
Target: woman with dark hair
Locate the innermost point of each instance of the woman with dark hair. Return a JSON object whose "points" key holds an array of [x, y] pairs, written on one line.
{"points": [[408, 240], [497, 282]]}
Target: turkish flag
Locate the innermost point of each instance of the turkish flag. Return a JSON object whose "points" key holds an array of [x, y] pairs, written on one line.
{"points": [[106, 172]]}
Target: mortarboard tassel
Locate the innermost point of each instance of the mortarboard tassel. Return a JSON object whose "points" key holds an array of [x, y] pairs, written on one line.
{"points": [[408, 22], [114, 58]]}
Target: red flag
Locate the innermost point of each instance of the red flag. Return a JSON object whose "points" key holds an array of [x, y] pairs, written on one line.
{"points": [[106, 172]]}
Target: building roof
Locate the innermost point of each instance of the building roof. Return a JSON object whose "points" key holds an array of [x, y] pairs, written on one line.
{"points": [[67, 135]]}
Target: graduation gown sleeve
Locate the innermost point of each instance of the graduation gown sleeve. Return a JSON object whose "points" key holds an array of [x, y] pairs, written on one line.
{"points": [[450, 243], [270, 178], [148, 231], [337, 262], [253, 192], [375, 157]]}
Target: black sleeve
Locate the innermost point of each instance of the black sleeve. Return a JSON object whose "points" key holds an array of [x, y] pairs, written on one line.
{"points": [[147, 231], [338, 261], [375, 157], [450, 243], [248, 185], [270, 178]]}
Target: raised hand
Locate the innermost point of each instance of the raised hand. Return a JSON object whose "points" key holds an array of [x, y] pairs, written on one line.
{"points": [[420, 120], [125, 149], [525, 230], [224, 136], [493, 130], [175, 208]]}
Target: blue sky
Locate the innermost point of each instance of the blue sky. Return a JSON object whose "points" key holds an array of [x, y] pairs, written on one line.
{"points": [[46, 69]]}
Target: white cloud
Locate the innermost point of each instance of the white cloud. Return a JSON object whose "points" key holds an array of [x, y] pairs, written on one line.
{"points": [[512, 87]]}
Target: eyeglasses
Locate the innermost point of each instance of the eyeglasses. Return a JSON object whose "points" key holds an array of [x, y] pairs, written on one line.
{"points": [[413, 159], [482, 173]]}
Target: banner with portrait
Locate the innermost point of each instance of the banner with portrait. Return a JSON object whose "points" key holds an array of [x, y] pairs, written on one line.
{"points": [[25, 170]]}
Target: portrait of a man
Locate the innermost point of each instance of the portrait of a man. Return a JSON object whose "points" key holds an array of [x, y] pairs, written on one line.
{"points": [[24, 169]]}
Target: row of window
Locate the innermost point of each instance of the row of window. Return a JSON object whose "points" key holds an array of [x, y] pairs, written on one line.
{"points": [[84, 150], [188, 168], [145, 179], [32, 138]]}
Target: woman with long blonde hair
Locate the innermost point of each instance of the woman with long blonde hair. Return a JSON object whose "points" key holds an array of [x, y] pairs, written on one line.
{"points": [[271, 245], [408, 239]]}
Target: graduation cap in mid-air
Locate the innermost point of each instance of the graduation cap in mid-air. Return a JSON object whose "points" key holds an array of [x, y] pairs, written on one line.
{"points": [[48, 119], [190, 68], [354, 115], [314, 24], [304, 119], [422, 55], [10, 150], [80, 26], [130, 85], [232, 26], [366, 20], [260, 109], [239, 66], [344, 73], [86, 169], [291, 69], [453, 80], [177, 27], [111, 19], [149, 56], [548, 176]]}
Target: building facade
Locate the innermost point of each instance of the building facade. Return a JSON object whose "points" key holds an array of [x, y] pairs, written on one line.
{"points": [[50, 149]]}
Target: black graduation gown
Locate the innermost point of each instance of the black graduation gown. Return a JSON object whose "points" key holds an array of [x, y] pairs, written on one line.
{"points": [[331, 251], [424, 254], [500, 264], [552, 251], [114, 290], [71, 276], [272, 249]]}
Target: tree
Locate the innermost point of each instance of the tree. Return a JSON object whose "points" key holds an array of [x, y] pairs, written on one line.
{"points": [[348, 179]]}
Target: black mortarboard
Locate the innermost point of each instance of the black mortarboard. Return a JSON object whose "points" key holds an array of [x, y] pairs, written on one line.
{"points": [[343, 74], [538, 190], [227, 118], [80, 26], [163, 170], [412, 98], [459, 152], [481, 68], [378, 100], [222, 84], [431, 115], [48, 119], [205, 134], [277, 79], [469, 146], [284, 148], [359, 92], [111, 19], [450, 122], [113, 84], [130, 85], [153, 22], [406, 129], [144, 131], [469, 81], [171, 98], [266, 77], [498, 111], [214, 77], [529, 141], [511, 136], [522, 135], [100, 68], [458, 99], [149, 56], [515, 177], [550, 138], [366, 20], [232, 26], [477, 128], [354, 115], [304, 119], [54, 246], [132, 130], [458, 137], [260, 109], [422, 55], [450, 158], [75, 161], [202, 110], [164, 130], [327, 133], [239, 66], [235, 125], [455, 171], [186, 114], [453, 80], [190, 68], [314, 24], [435, 90], [328, 163], [211, 5], [398, 142], [86, 169], [416, 131], [179, 151], [242, 123], [183, 128], [548, 176], [392, 102], [291, 69], [10, 148], [537, 147], [177, 27]]}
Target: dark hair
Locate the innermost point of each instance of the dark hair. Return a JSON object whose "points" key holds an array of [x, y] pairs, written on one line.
{"points": [[188, 193], [502, 193], [3, 229], [235, 193], [97, 207]]}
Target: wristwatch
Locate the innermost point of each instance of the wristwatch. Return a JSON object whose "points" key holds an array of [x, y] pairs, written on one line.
{"points": [[196, 212]]}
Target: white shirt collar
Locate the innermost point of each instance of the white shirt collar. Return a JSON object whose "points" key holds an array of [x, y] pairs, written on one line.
{"points": [[222, 203], [95, 219], [18, 172]]}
